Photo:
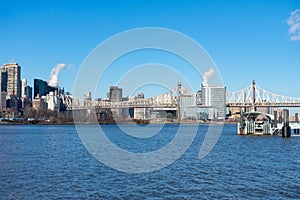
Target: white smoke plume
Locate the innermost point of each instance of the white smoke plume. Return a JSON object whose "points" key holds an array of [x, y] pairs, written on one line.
{"points": [[53, 78], [207, 75]]}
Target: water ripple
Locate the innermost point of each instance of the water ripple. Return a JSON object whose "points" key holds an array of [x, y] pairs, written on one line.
{"points": [[49, 162]]}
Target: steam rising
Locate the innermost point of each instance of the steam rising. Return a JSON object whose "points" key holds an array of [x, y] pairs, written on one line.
{"points": [[53, 78], [207, 75]]}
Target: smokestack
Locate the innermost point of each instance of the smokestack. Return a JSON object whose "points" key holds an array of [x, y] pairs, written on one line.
{"points": [[53, 78], [207, 76]]}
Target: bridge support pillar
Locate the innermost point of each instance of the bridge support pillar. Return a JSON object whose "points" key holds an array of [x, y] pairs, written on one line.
{"points": [[286, 129]]}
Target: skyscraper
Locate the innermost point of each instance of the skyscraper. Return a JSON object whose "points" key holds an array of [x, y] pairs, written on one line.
{"points": [[215, 98], [115, 94], [28, 92], [41, 88], [3, 80], [23, 90], [2, 100], [10, 79]]}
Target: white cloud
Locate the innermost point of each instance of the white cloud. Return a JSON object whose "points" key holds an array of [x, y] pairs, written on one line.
{"points": [[294, 22], [294, 38]]}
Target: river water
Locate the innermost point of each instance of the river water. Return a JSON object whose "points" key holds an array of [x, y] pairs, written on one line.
{"points": [[50, 162]]}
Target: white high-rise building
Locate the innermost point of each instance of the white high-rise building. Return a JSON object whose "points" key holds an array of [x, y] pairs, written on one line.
{"points": [[53, 101], [10, 79], [215, 98]]}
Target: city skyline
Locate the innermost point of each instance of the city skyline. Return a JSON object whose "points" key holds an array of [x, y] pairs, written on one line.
{"points": [[246, 40]]}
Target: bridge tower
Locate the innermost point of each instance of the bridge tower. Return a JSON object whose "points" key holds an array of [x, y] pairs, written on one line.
{"points": [[253, 108]]}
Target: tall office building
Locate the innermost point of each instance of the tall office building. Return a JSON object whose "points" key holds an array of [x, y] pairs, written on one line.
{"points": [[23, 90], [28, 92], [10, 83], [10, 79], [188, 104], [215, 98], [41, 88], [3, 80], [3, 89], [2, 100], [115, 94]]}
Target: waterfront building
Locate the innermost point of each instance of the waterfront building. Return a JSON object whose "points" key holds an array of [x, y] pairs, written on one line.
{"points": [[38, 103], [23, 89], [2, 101], [42, 88], [10, 86], [214, 97], [115, 95], [3, 80], [199, 98], [28, 92], [10, 79], [39, 87], [3, 89], [188, 108], [52, 101]]}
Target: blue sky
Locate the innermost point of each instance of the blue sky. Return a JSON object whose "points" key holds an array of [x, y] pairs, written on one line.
{"points": [[246, 39]]}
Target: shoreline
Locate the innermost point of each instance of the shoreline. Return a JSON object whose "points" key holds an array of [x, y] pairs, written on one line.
{"points": [[113, 123]]}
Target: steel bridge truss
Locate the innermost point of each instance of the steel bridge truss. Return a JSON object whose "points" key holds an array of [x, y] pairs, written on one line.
{"points": [[256, 96]]}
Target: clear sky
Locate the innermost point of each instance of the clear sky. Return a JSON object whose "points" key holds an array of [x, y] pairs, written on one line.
{"points": [[246, 39]]}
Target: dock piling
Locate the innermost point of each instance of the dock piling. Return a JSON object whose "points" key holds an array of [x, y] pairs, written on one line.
{"points": [[286, 129], [275, 119], [296, 131], [241, 122], [280, 118]]}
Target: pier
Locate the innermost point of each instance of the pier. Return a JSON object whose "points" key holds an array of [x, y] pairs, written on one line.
{"points": [[257, 123], [252, 98]]}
